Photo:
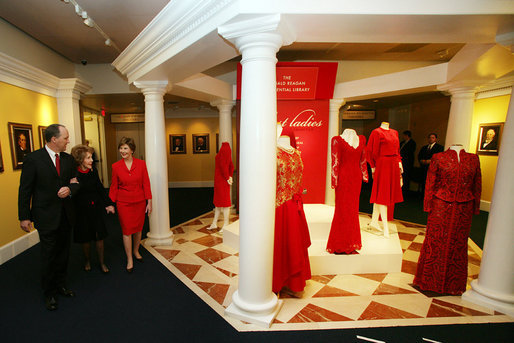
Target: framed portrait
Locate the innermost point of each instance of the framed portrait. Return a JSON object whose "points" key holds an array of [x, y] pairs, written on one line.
{"points": [[489, 138], [1, 160], [201, 143], [41, 130], [22, 142], [178, 144]]}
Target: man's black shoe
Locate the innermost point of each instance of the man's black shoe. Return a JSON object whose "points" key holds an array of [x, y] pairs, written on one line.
{"points": [[51, 303], [66, 292]]}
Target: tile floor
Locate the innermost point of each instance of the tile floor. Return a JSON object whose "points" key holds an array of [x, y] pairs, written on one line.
{"points": [[209, 268]]}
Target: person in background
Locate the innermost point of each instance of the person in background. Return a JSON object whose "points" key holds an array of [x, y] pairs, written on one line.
{"points": [[425, 155], [407, 149], [45, 197], [90, 202], [130, 190]]}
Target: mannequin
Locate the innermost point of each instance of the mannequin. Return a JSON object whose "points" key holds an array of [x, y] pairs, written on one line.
{"points": [[348, 170], [457, 148], [383, 150], [222, 182]]}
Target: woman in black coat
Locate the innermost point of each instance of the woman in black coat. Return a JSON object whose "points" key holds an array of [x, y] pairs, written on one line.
{"points": [[91, 202]]}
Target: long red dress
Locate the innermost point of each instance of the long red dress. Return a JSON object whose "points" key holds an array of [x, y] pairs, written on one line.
{"points": [[224, 168], [291, 265], [129, 190], [383, 154], [452, 196], [348, 171]]}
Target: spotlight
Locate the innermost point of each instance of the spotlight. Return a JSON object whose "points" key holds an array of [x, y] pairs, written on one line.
{"points": [[78, 10], [66, 1], [89, 22], [84, 15], [108, 42]]}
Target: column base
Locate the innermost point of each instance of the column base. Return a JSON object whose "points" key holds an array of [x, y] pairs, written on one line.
{"points": [[263, 320], [154, 240], [475, 297]]}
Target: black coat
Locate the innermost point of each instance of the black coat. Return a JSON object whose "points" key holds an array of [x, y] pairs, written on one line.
{"points": [[425, 154], [39, 184]]}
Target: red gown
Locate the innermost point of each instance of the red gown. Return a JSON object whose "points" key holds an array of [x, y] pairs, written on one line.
{"points": [[348, 171], [223, 170], [129, 190], [383, 154], [452, 196], [291, 265]]}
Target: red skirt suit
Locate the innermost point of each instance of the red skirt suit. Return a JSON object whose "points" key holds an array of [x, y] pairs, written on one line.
{"points": [[129, 190]]}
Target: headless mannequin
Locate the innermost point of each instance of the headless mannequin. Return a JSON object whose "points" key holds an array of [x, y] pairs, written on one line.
{"points": [[217, 211], [379, 209], [350, 137], [457, 148], [283, 142]]}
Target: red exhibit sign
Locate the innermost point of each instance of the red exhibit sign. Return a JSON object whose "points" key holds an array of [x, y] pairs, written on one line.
{"points": [[309, 122], [303, 93]]}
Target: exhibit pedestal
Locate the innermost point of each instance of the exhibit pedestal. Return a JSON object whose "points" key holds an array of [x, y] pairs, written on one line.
{"points": [[378, 254]]}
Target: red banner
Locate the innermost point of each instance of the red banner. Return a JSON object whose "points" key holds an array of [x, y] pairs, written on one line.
{"points": [[309, 122], [295, 83]]}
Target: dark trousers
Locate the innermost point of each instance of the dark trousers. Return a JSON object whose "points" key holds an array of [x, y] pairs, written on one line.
{"points": [[55, 253]]}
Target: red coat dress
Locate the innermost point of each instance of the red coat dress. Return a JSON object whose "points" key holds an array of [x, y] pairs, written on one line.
{"points": [[291, 265], [223, 170], [383, 154], [348, 171], [452, 196], [129, 190]]}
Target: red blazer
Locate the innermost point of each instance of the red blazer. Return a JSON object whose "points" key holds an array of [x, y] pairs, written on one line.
{"points": [[451, 181], [130, 185]]}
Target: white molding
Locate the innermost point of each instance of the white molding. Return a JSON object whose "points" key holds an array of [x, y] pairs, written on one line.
{"points": [[21, 74], [190, 184], [16, 247], [176, 21], [499, 87], [485, 205]]}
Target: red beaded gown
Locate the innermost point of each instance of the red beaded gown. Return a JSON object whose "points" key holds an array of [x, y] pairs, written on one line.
{"points": [[452, 196], [224, 168], [384, 155], [348, 170], [291, 265]]}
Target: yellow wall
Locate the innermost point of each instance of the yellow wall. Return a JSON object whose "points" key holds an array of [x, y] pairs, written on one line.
{"points": [[189, 166], [25, 107], [490, 110]]}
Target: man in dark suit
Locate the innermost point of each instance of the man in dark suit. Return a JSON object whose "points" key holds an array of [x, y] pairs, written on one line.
{"points": [[425, 155], [407, 149], [44, 198]]}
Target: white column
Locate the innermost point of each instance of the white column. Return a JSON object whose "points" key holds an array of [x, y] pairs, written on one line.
{"points": [[157, 161], [461, 114], [258, 40], [68, 96], [495, 285], [333, 130], [225, 108]]}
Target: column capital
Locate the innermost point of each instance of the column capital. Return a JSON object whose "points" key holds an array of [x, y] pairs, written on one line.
{"points": [[223, 104], [148, 87], [463, 89], [72, 88], [335, 104]]}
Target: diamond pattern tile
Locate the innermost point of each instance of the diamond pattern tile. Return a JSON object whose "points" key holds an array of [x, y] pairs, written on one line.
{"points": [[364, 299]]}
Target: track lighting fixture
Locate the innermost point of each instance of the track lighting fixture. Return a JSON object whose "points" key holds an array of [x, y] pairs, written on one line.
{"points": [[90, 22]]}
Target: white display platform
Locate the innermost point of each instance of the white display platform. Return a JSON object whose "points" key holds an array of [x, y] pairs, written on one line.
{"points": [[378, 254]]}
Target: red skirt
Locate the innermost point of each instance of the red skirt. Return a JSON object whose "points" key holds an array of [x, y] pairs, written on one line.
{"points": [[386, 182], [291, 265], [132, 216]]}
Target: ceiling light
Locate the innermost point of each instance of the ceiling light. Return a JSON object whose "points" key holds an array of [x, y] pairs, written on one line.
{"points": [[108, 42], [84, 15], [78, 10], [66, 1], [89, 22]]}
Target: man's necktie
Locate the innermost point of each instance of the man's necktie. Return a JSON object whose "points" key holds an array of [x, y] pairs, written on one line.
{"points": [[58, 164]]}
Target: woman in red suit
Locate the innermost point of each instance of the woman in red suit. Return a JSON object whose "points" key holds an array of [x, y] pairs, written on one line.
{"points": [[130, 190]]}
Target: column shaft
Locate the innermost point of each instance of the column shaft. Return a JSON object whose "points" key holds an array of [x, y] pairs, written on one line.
{"points": [[495, 285], [225, 108], [156, 161], [461, 114]]}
